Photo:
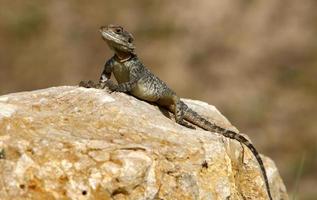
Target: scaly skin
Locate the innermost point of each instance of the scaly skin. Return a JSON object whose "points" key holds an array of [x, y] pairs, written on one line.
{"points": [[134, 78]]}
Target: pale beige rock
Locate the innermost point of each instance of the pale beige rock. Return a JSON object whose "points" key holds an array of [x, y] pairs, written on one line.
{"points": [[77, 143]]}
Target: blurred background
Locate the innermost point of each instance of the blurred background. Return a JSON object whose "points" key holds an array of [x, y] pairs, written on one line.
{"points": [[256, 61]]}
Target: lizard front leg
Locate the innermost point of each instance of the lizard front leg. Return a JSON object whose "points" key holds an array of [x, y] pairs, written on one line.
{"points": [[105, 76], [104, 79]]}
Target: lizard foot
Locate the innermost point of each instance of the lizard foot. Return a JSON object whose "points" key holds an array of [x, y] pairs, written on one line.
{"points": [[87, 84], [111, 86], [91, 84]]}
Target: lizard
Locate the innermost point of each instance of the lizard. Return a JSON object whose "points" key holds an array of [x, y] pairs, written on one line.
{"points": [[136, 79]]}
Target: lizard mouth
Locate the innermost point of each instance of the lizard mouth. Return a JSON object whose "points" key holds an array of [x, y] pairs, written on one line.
{"points": [[107, 36]]}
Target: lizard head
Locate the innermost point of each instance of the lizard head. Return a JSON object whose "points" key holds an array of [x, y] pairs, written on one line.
{"points": [[117, 38]]}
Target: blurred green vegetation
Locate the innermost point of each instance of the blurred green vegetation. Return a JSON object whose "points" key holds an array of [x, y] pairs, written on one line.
{"points": [[256, 61]]}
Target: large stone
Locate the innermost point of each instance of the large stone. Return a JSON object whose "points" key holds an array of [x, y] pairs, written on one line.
{"points": [[77, 143]]}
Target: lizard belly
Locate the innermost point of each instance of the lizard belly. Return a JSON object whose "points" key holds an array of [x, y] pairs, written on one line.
{"points": [[144, 93]]}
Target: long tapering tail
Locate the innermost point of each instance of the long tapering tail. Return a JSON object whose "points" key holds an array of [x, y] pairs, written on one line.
{"points": [[198, 120]]}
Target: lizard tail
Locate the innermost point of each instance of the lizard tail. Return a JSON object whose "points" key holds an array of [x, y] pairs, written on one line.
{"points": [[198, 120]]}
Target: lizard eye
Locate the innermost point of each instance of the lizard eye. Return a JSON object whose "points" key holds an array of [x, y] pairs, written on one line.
{"points": [[118, 30], [130, 40]]}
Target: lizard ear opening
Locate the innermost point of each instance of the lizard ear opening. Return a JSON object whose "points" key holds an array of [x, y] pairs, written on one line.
{"points": [[131, 39]]}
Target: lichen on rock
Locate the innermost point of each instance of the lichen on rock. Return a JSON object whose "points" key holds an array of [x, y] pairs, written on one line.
{"points": [[76, 143]]}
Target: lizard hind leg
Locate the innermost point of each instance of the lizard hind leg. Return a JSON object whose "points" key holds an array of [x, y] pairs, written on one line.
{"points": [[179, 112]]}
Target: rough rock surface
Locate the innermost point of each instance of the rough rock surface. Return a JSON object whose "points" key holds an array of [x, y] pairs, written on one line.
{"points": [[77, 143]]}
